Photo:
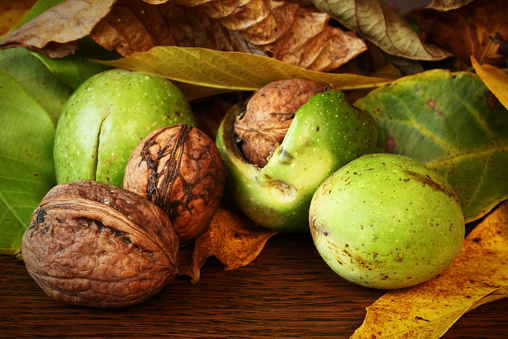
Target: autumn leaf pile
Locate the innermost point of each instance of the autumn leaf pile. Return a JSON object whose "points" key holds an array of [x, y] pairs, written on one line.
{"points": [[434, 78]]}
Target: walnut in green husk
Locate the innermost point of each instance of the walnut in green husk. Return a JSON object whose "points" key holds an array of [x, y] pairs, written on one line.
{"points": [[107, 116], [386, 221], [269, 114], [325, 133]]}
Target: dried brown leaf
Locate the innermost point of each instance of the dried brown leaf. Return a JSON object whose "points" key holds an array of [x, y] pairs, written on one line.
{"points": [[311, 43], [378, 22], [446, 5], [56, 31], [477, 276], [231, 237], [134, 26], [283, 30], [468, 31], [286, 30]]}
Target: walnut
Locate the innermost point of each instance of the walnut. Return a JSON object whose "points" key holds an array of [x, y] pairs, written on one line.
{"points": [[179, 169], [93, 244], [268, 115]]}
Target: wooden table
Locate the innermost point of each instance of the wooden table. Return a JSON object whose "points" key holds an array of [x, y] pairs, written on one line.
{"points": [[288, 291]]}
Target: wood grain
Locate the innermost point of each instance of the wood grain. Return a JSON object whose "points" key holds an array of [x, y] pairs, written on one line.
{"points": [[288, 291]]}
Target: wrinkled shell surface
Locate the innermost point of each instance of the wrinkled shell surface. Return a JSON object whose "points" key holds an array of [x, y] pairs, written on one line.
{"points": [[269, 114], [179, 169], [92, 244]]}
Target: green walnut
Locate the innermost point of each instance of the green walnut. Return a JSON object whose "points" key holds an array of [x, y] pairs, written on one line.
{"points": [[106, 117], [386, 221], [325, 133]]}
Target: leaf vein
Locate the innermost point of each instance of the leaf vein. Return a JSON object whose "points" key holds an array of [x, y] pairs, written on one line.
{"points": [[9, 208]]}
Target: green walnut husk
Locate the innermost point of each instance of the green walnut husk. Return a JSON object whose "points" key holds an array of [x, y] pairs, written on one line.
{"points": [[326, 133], [106, 117], [386, 221]]}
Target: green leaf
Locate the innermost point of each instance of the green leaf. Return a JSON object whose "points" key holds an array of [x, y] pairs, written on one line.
{"points": [[200, 72], [26, 153], [379, 23], [452, 123], [36, 80], [72, 70]]}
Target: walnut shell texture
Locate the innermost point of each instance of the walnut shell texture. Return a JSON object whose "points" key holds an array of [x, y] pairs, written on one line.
{"points": [[269, 114], [93, 244], [179, 169]]}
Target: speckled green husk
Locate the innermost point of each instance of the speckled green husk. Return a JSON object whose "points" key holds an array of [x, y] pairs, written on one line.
{"points": [[386, 221], [326, 133], [105, 119]]}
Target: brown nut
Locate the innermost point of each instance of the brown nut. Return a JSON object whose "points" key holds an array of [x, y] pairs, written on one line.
{"points": [[268, 115], [179, 169], [97, 245]]}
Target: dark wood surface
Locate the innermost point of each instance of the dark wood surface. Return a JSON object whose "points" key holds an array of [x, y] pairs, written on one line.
{"points": [[288, 291]]}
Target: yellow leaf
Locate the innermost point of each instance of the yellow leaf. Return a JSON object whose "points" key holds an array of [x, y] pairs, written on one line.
{"points": [[205, 71], [478, 275], [495, 79]]}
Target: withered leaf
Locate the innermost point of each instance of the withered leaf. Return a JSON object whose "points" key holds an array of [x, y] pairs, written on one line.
{"points": [[231, 237], [45, 32], [469, 30], [379, 23], [287, 31], [495, 79], [477, 276], [284, 30], [446, 5], [311, 43], [135, 26]]}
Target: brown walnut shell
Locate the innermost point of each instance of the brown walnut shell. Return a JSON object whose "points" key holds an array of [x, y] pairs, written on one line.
{"points": [[179, 169], [269, 114], [98, 245]]}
